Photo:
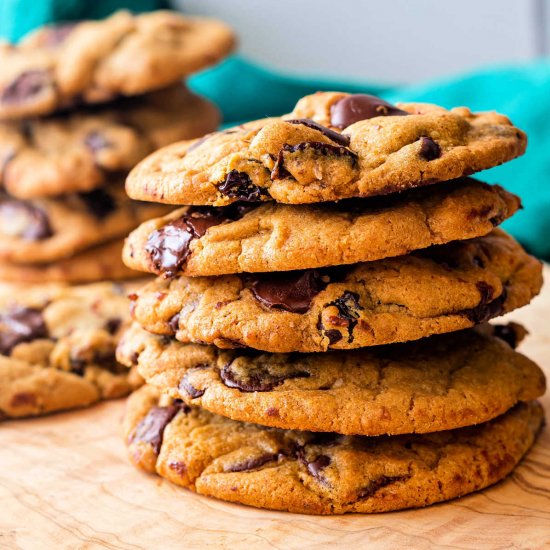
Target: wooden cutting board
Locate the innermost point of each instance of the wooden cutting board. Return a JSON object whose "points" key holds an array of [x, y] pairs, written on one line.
{"points": [[65, 483]]}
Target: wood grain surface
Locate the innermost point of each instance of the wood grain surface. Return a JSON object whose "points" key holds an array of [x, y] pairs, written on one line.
{"points": [[65, 483]]}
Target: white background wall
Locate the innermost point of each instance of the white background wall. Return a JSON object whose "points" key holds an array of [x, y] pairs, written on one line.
{"points": [[385, 40]]}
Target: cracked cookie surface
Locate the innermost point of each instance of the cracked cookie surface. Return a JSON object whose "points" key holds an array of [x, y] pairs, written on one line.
{"points": [[47, 230], [316, 154], [321, 473], [57, 67], [100, 263], [276, 237], [439, 383], [57, 348], [441, 289], [81, 151]]}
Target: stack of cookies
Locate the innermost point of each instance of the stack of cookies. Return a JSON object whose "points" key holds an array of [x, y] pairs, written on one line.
{"points": [[317, 338], [80, 105]]}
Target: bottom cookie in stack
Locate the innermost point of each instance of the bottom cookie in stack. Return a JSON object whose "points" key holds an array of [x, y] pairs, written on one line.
{"points": [[425, 422], [57, 348]]}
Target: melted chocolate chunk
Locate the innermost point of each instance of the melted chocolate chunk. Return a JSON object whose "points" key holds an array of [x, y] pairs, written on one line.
{"points": [[96, 140], [507, 333], [333, 336], [292, 291], [19, 325], [99, 203], [341, 139], [318, 465], [168, 247], [487, 307], [112, 325], [188, 388], [24, 220], [348, 310], [174, 323], [239, 185], [251, 463], [258, 377], [78, 366], [429, 149], [151, 428], [354, 108], [377, 484], [26, 86]]}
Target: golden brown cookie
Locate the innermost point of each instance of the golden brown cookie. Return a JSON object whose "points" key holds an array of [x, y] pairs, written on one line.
{"points": [[101, 263], [441, 289], [85, 62], [47, 230], [314, 473], [81, 151], [435, 384], [332, 146], [278, 237], [57, 348]]}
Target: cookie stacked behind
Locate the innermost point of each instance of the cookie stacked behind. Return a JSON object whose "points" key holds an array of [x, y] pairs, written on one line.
{"points": [[415, 398], [81, 104]]}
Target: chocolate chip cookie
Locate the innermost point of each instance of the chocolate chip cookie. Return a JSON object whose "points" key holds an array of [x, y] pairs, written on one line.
{"points": [[47, 230], [437, 290], [332, 146], [81, 151], [57, 67], [57, 348], [100, 263], [277, 237], [438, 383], [321, 473]]}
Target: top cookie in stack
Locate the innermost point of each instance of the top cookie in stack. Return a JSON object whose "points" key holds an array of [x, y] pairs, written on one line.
{"points": [[80, 105], [348, 223]]}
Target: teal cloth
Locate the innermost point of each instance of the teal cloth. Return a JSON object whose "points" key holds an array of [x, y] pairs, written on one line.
{"points": [[245, 91]]}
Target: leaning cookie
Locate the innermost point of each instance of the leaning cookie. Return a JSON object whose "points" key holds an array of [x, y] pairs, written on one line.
{"points": [[437, 290], [57, 348], [438, 383], [48, 230], [100, 263], [62, 66], [81, 151], [276, 237], [314, 473], [332, 146]]}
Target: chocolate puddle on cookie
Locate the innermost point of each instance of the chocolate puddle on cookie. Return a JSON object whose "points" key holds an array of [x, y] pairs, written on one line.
{"points": [[292, 290], [168, 247], [353, 108]]}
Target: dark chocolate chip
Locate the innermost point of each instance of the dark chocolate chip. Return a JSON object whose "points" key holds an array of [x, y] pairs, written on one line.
{"points": [[151, 428], [429, 149], [252, 463], [26, 220], [78, 366], [333, 336], [341, 139], [258, 377], [292, 291], [487, 308], [507, 333], [19, 325], [377, 484], [238, 185], [112, 325], [99, 203], [318, 465], [354, 108], [168, 247], [174, 322], [188, 388], [96, 141], [26, 86], [348, 311]]}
